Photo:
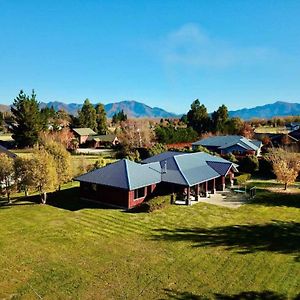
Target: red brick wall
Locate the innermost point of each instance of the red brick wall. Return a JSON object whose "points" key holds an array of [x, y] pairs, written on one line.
{"points": [[112, 195], [134, 202], [106, 194]]}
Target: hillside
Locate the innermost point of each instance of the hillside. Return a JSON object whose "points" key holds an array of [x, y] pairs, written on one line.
{"points": [[136, 109], [133, 109], [277, 109]]}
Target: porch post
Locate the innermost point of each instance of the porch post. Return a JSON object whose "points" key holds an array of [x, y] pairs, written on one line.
{"points": [[197, 192], [206, 189], [188, 201], [231, 176], [223, 183], [213, 191]]}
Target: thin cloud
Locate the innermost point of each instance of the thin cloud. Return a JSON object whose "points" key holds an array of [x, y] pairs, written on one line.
{"points": [[192, 46]]}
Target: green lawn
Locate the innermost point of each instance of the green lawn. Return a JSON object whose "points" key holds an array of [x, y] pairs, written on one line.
{"points": [[70, 250], [269, 129]]}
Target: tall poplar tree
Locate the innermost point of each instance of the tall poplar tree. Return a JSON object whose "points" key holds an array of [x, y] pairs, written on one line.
{"points": [[101, 119], [27, 120], [87, 115], [219, 118]]}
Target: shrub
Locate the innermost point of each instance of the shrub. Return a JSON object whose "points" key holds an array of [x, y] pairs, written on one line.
{"points": [[231, 157], [156, 203], [156, 149], [171, 135], [249, 164], [241, 179]]}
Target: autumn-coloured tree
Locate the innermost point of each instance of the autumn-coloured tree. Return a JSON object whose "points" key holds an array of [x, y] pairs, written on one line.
{"points": [[6, 174], [286, 165], [23, 173], [43, 173], [64, 136], [62, 161], [247, 131]]}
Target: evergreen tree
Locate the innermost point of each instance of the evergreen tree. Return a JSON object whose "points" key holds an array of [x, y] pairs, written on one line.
{"points": [[27, 120], [119, 117], [101, 119], [87, 115], [1, 120], [198, 117], [219, 119]]}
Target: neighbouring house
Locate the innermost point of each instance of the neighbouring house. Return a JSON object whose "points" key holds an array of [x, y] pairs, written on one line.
{"points": [[283, 139], [225, 144], [295, 134], [293, 126], [127, 184], [89, 138], [7, 152], [105, 140], [82, 134]]}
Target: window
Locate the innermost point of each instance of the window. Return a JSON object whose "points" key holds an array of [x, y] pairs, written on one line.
{"points": [[139, 193], [94, 187]]}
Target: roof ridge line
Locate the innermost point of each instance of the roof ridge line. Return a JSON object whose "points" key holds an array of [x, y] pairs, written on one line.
{"points": [[127, 177], [182, 174]]}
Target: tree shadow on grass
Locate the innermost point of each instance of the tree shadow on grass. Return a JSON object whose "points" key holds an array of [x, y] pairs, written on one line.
{"points": [[68, 199], [250, 295], [268, 198], [278, 236]]}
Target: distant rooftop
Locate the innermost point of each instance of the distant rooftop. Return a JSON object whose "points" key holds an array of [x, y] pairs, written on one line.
{"points": [[225, 141], [84, 131]]}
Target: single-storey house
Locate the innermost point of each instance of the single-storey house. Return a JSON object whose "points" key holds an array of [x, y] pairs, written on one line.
{"points": [[234, 144], [123, 183], [127, 184], [82, 134], [90, 138]]}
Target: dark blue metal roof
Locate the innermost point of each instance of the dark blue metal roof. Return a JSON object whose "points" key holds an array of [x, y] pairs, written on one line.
{"points": [[225, 141], [124, 174], [180, 168]]}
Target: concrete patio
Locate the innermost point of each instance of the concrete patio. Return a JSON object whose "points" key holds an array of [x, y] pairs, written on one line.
{"points": [[225, 198]]}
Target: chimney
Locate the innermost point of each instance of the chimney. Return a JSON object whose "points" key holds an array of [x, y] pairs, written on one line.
{"points": [[164, 167]]}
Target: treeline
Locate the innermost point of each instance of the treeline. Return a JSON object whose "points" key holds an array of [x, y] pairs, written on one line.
{"points": [[46, 170], [28, 120], [218, 122]]}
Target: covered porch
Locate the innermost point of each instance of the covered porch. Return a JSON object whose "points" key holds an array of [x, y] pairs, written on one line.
{"points": [[190, 195]]}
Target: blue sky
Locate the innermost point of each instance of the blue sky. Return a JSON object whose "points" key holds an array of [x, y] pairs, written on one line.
{"points": [[162, 53]]}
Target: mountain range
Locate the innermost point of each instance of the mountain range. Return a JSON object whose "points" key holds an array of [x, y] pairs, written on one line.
{"points": [[136, 109]]}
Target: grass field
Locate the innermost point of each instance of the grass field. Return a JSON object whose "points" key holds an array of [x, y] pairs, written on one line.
{"points": [[269, 129], [69, 250]]}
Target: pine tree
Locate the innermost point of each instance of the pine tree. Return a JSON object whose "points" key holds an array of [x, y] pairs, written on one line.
{"points": [[198, 117], [101, 119], [87, 116], [219, 119], [27, 120]]}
